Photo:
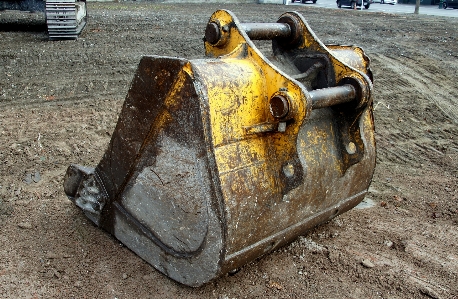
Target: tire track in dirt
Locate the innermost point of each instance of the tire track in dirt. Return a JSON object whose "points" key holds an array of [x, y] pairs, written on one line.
{"points": [[429, 246], [419, 79], [411, 255], [409, 131]]}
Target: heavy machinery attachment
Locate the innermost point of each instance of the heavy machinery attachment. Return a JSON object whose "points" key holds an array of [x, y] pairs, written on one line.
{"points": [[215, 162], [65, 19]]}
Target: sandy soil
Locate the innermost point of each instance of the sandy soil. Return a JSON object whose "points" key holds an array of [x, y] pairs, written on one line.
{"points": [[59, 105]]}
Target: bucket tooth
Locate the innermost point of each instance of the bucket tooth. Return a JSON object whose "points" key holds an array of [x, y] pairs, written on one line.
{"points": [[84, 188], [215, 162]]}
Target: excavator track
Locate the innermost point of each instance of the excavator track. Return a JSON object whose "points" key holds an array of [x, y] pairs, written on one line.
{"points": [[65, 18]]}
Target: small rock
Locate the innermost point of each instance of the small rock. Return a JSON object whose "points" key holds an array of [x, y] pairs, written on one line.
{"points": [[78, 284], [388, 243], [37, 177], [398, 198], [367, 263], [28, 178], [274, 284], [124, 276], [25, 225]]}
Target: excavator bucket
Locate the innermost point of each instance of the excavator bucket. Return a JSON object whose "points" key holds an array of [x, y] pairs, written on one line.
{"points": [[217, 161]]}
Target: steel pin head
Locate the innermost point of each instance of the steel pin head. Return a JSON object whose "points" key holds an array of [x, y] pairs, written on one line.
{"points": [[212, 33]]}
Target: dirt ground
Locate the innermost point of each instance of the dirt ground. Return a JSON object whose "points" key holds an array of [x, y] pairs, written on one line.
{"points": [[59, 103]]}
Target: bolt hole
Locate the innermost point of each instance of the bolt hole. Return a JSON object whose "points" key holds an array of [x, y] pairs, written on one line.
{"points": [[279, 106]]}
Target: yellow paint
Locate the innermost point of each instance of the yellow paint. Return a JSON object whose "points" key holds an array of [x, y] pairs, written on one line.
{"points": [[249, 153]]}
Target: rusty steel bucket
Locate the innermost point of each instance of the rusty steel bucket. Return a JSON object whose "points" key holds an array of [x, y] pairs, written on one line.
{"points": [[215, 162]]}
